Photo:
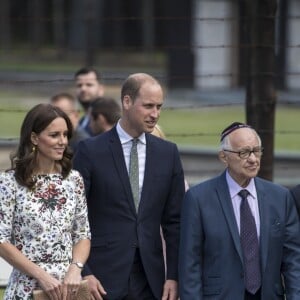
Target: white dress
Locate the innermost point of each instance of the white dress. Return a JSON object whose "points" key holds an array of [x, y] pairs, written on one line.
{"points": [[43, 223]]}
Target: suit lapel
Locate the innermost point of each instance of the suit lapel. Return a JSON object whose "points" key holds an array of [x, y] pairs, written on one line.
{"points": [[264, 215], [226, 204], [118, 157], [263, 204]]}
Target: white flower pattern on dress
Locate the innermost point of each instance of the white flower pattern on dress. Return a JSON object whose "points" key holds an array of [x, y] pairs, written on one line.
{"points": [[43, 223]]}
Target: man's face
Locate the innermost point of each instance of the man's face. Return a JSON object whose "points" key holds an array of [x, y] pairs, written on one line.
{"points": [[96, 124], [243, 169], [88, 88], [66, 105], [143, 114]]}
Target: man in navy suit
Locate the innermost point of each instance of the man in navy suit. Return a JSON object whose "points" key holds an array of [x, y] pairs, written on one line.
{"points": [[126, 259], [218, 220]]}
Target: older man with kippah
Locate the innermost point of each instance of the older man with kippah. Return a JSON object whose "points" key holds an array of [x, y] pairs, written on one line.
{"points": [[240, 234]]}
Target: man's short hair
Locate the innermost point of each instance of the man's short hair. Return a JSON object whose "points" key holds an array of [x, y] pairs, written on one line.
{"points": [[133, 84], [87, 70], [58, 96], [108, 107]]}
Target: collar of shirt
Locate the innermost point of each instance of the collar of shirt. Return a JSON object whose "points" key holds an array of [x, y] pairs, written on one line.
{"points": [[234, 187], [126, 138]]}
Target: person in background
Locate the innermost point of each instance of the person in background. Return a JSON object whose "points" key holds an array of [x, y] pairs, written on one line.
{"points": [[88, 87], [240, 234], [44, 229], [157, 131], [104, 114], [67, 103], [134, 184]]}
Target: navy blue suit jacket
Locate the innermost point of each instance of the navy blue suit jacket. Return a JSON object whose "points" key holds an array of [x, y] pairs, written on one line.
{"points": [[87, 128], [296, 195], [117, 229], [210, 260]]}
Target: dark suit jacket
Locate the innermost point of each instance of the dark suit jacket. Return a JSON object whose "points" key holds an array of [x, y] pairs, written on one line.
{"points": [[295, 191], [117, 230], [78, 135], [210, 259], [87, 128]]}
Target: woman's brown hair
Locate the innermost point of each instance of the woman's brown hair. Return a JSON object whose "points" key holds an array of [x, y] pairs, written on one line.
{"points": [[23, 161]]}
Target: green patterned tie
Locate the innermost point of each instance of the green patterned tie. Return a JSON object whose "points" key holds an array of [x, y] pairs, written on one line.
{"points": [[134, 172]]}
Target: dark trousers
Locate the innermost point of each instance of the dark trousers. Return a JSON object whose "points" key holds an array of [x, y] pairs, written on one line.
{"points": [[138, 286], [256, 296]]}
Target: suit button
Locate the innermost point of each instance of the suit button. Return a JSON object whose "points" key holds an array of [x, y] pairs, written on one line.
{"points": [[134, 245]]}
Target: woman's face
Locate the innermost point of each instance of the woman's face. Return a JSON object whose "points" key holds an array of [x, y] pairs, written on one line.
{"points": [[52, 141]]}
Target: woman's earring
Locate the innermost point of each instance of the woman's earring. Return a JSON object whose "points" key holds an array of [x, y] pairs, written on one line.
{"points": [[33, 148]]}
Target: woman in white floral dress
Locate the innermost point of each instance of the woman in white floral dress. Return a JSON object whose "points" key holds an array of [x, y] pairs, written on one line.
{"points": [[44, 230]]}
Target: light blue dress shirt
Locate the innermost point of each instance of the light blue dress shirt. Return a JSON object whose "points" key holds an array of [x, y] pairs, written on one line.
{"points": [[234, 189]]}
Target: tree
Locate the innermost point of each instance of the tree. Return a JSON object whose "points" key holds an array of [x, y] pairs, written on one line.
{"points": [[260, 90], [37, 28], [58, 27], [178, 40], [5, 29], [90, 26]]}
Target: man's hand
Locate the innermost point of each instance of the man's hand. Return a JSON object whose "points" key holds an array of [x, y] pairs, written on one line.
{"points": [[95, 287], [170, 291]]}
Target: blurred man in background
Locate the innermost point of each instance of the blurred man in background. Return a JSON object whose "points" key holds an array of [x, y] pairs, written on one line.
{"points": [[104, 114], [67, 103], [88, 88]]}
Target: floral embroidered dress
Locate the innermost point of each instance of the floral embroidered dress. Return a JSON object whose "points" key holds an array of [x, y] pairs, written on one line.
{"points": [[43, 223]]}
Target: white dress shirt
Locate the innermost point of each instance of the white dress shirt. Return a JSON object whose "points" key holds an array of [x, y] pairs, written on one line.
{"points": [[126, 142]]}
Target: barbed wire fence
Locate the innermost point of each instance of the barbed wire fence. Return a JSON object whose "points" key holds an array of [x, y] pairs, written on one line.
{"points": [[115, 77]]}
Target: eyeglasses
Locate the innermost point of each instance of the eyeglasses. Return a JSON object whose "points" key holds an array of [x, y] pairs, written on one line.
{"points": [[244, 154]]}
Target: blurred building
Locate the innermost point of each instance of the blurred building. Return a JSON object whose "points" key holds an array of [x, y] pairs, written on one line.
{"points": [[204, 41], [98, 26]]}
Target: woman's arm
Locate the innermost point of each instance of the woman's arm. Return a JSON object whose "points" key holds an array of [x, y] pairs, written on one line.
{"points": [[80, 255], [73, 277], [19, 261]]}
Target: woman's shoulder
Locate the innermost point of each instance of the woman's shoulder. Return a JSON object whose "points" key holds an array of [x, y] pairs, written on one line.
{"points": [[8, 181], [75, 180], [7, 175], [74, 175]]}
